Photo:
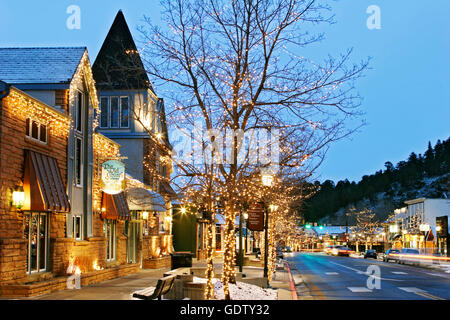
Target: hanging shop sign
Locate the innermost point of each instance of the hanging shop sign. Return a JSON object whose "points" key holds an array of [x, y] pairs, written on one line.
{"points": [[256, 217], [113, 176]]}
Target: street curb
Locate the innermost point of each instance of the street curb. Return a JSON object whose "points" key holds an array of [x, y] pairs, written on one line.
{"points": [[291, 283]]}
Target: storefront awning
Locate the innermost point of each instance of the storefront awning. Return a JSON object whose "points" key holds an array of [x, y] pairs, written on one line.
{"points": [[115, 206], [43, 184], [141, 199]]}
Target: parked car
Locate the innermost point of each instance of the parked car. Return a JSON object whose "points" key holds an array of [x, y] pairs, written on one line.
{"points": [[341, 251], [403, 258], [370, 254], [391, 254]]}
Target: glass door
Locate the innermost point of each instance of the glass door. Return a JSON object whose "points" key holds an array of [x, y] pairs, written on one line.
{"points": [[133, 232], [37, 234]]}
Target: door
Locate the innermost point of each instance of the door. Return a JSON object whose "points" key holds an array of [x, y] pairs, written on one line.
{"points": [[133, 236]]}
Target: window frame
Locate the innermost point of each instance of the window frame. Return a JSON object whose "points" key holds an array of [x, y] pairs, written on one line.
{"points": [[79, 111], [111, 239], [29, 216], [107, 112], [79, 163], [109, 115], [77, 221], [29, 130]]}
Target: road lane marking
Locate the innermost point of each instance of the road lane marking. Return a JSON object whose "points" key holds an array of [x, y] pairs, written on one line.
{"points": [[438, 275], [359, 289], [399, 272], [429, 296], [364, 272], [411, 289], [421, 293], [331, 273]]}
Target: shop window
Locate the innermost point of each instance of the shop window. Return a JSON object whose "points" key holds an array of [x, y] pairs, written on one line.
{"points": [[36, 233], [36, 131], [162, 225], [77, 228], [110, 230]]}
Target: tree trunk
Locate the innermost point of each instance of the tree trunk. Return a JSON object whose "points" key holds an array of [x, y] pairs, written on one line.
{"points": [[209, 290], [229, 274]]}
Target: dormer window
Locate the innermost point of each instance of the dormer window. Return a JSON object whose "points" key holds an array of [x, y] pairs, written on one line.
{"points": [[115, 112]]}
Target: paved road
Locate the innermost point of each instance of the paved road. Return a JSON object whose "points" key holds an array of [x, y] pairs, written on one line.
{"points": [[345, 278]]}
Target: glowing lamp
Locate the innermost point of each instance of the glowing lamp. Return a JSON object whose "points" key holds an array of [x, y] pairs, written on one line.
{"points": [[18, 197], [438, 228], [267, 180], [393, 228], [145, 215], [183, 210]]}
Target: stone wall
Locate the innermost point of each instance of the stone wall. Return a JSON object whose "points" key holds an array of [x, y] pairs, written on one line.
{"points": [[16, 108]]}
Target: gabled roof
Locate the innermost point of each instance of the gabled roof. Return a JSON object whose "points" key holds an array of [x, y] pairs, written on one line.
{"points": [[40, 65], [118, 64]]}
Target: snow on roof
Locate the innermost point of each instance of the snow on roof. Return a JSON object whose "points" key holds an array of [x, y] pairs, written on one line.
{"points": [[39, 65]]}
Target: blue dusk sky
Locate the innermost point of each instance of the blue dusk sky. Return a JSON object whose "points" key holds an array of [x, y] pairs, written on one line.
{"points": [[406, 91]]}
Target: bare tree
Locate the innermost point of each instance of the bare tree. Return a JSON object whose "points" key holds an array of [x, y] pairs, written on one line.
{"points": [[366, 225], [235, 67]]}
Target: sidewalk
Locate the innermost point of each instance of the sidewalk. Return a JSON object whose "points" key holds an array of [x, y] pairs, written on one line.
{"points": [[121, 288]]}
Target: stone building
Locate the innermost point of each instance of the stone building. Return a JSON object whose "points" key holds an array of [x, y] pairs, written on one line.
{"points": [[49, 150]]}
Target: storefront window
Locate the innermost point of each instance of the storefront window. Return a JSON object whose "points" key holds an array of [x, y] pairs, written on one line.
{"points": [[37, 234], [110, 228]]}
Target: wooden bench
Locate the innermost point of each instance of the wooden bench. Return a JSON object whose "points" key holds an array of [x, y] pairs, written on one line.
{"points": [[163, 286]]}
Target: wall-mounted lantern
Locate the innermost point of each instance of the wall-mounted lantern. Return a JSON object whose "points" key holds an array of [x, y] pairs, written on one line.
{"points": [[145, 215], [18, 197]]}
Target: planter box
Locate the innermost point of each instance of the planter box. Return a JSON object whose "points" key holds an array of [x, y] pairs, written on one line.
{"points": [[158, 263]]}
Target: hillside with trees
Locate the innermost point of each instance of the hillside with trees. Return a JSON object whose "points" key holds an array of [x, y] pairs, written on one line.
{"points": [[426, 175]]}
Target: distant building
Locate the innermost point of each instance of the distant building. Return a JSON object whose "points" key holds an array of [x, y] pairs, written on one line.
{"points": [[425, 224]]}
